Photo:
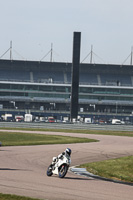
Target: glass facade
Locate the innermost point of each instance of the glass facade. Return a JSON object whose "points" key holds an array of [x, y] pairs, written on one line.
{"points": [[64, 91]]}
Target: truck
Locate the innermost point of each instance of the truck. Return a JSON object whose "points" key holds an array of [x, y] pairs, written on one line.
{"points": [[7, 117], [88, 121], [65, 119], [51, 119], [116, 121], [19, 118], [28, 117]]}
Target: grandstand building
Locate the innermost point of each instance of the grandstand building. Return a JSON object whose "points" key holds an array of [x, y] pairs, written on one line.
{"points": [[44, 89]]}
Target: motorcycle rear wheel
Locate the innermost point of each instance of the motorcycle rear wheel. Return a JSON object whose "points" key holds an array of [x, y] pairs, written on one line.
{"points": [[49, 171], [63, 171]]}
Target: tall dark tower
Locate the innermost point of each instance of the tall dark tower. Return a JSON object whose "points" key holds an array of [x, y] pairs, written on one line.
{"points": [[75, 75]]}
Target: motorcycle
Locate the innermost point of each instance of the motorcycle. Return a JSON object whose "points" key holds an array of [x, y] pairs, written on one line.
{"points": [[59, 166]]}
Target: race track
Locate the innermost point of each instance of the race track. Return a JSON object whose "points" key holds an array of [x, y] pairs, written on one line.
{"points": [[23, 170]]}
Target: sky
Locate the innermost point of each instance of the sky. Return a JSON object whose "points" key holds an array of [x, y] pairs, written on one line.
{"points": [[34, 26]]}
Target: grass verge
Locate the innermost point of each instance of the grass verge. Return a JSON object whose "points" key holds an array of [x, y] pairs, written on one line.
{"points": [[14, 197], [98, 132], [117, 169], [19, 139]]}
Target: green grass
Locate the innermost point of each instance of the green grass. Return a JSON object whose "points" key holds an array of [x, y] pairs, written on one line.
{"points": [[14, 197], [17, 139], [119, 169], [98, 132]]}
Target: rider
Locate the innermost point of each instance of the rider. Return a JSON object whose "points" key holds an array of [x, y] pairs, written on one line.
{"points": [[66, 153]]}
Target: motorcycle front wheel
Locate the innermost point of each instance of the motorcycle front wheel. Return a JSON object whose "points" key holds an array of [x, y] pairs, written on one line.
{"points": [[49, 171], [63, 170]]}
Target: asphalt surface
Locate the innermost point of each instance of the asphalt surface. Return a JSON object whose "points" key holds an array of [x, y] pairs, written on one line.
{"points": [[23, 170]]}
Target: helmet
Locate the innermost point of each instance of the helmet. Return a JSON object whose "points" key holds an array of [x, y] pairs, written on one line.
{"points": [[68, 151]]}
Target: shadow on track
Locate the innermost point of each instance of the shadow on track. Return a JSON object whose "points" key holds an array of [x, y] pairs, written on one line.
{"points": [[75, 178], [10, 169]]}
